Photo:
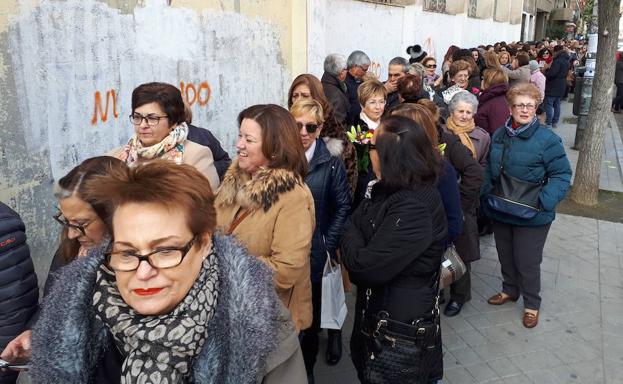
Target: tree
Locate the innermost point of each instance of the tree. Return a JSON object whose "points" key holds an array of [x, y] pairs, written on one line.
{"points": [[586, 183]]}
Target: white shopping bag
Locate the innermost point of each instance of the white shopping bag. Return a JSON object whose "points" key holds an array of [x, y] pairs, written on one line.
{"points": [[333, 304]]}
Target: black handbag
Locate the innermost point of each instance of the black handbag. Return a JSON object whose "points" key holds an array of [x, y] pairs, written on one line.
{"points": [[514, 196], [398, 352]]}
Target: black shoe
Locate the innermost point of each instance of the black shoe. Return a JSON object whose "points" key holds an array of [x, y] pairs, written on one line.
{"points": [[453, 308], [334, 347]]}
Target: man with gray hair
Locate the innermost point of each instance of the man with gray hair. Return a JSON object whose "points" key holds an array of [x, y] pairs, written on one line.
{"points": [[357, 64], [398, 67], [334, 86]]}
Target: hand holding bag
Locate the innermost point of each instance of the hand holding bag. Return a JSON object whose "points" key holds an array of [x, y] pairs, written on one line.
{"points": [[452, 267], [333, 306]]}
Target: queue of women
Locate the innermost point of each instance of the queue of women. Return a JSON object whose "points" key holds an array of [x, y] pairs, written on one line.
{"points": [[176, 266]]}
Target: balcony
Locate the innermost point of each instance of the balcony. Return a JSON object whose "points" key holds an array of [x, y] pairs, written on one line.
{"points": [[544, 5], [562, 14]]}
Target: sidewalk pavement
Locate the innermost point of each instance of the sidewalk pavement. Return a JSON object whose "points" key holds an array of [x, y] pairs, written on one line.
{"points": [[579, 338]]}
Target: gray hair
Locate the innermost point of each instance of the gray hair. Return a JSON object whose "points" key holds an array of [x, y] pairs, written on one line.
{"points": [[357, 59], [463, 97], [400, 61], [334, 64], [417, 69]]}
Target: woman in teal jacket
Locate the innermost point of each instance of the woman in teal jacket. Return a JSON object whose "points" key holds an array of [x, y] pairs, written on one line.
{"points": [[530, 152]]}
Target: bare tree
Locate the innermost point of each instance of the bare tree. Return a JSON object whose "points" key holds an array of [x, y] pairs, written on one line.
{"points": [[586, 183]]}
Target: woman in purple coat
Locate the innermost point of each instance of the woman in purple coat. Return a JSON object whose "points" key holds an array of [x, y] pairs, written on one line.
{"points": [[493, 110]]}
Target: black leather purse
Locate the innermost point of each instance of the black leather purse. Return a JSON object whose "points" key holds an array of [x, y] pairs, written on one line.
{"points": [[398, 352], [514, 196]]}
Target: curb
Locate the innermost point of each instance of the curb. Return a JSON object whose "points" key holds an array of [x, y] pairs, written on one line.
{"points": [[618, 144]]}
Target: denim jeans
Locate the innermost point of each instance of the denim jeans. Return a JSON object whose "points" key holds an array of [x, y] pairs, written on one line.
{"points": [[552, 109]]}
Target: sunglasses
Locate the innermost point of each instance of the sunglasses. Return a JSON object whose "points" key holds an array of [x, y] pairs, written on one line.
{"points": [[310, 128], [431, 66]]}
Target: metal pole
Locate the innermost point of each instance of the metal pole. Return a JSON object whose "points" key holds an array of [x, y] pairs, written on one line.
{"points": [[589, 75]]}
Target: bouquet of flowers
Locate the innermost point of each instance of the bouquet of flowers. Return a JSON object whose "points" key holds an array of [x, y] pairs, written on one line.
{"points": [[361, 140]]}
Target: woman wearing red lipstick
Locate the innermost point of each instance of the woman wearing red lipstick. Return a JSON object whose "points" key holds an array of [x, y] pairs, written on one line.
{"points": [[167, 301]]}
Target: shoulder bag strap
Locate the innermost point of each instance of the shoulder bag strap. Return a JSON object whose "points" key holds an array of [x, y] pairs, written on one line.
{"points": [[237, 221]]}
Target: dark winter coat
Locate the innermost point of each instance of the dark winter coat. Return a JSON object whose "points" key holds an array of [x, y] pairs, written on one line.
{"points": [[18, 282], [535, 155], [618, 72], [249, 338], [335, 91], [493, 110], [354, 108], [393, 244], [328, 184], [471, 175], [556, 75], [448, 188], [206, 138]]}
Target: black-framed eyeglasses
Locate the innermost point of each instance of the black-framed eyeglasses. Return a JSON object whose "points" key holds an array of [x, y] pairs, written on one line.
{"points": [[65, 223], [431, 66], [310, 128], [161, 258], [152, 120]]}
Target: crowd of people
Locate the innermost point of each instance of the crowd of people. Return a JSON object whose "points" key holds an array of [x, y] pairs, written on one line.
{"points": [[176, 264]]}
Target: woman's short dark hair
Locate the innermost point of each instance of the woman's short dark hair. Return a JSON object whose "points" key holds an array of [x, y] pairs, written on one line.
{"points": [[74, 184], [179, 187], [168, 97], [407, 157], [281, 140], [410, 88]]}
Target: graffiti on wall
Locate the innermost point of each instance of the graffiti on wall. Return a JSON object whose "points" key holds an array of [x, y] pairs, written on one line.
{"points": [[194, 94], [63, 103]]}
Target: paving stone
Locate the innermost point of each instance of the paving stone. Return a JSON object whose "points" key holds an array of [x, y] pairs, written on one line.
{"points": [[482, 372], [536, 360], [466, 356], [458, 375]]}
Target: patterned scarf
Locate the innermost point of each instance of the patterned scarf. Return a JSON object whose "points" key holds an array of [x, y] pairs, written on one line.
{"points": [[158, 349], [170, 148], [463, 133]]}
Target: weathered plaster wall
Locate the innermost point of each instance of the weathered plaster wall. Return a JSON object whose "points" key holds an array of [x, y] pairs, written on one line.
{"points": [[68, 68], [383, 32]]}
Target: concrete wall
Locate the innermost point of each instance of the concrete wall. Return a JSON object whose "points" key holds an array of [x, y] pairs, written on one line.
{"points": [[67, 70]]}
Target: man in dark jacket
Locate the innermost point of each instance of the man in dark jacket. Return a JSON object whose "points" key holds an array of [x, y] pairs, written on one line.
{"points": [[18, 285], [397, 69], [556, 84], [334, 87], [618, 81], [357, 64]]}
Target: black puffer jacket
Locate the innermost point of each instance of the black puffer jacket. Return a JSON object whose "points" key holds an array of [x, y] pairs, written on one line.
{"points": [[329, 186], [18, 282], [206, 138], [393, 244]]}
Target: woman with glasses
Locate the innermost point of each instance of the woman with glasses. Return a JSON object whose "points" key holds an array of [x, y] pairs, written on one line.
{"points": [[530, 153], [167, 301], [264, 202], [328, 184], [82, 219], [161, 132], [392, 248], [372, 96], [545, 55], [308, 87]]}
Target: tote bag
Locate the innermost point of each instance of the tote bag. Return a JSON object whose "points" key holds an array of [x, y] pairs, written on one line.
{"points": [[333, 306]]}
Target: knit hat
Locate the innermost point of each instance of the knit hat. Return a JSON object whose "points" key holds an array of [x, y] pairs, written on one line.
{"points": [[534, 66], [417, 53]]}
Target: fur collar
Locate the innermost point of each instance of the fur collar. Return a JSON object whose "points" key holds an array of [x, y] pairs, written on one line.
{"points": [[260, 192], [335, 146], [249, 323]]}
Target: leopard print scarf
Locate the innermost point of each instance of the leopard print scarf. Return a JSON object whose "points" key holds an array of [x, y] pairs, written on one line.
{"points": [[158, 349]]}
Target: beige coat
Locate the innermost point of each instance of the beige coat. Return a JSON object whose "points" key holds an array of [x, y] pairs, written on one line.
{"points": [[196, 155], [278, 229]]}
